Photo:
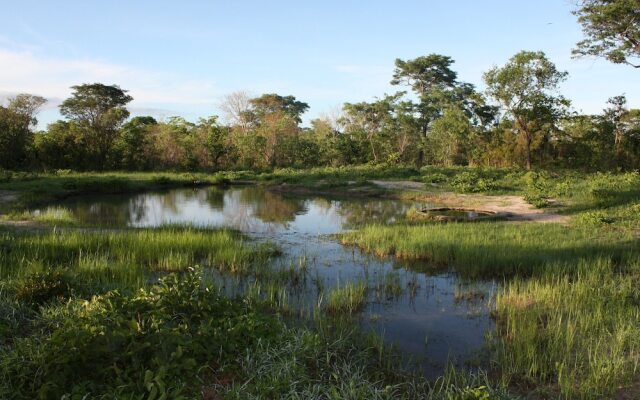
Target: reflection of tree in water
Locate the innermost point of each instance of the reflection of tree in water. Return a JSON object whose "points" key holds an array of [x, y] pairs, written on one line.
{"points": [[254, 208], [137, 209], [109, 210], [215, 197], [275, 208], [359, 212]]}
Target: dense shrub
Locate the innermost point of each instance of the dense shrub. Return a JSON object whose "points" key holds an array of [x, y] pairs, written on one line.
{"points": [[157, 343], [472, 182], [42, 287]]}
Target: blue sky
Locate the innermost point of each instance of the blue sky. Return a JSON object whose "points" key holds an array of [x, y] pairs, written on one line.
{"points": [[180, 58]]}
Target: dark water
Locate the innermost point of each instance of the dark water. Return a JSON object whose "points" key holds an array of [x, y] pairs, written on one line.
{"points": [[436, 318]]}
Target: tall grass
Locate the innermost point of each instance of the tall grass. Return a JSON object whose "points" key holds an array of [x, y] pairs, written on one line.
{"points": [[492, 249], [577, 333], [53, 215], [127, 256], [346, 299]]}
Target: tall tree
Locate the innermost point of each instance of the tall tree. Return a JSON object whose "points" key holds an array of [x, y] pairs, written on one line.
{"points": [[100, 111], [275, 119], [430, 77], [27, 105], [371, 121], [15, 138], [17, 121], [622, 124], [526, 89], [611, 29], [133, 143], [271, 103]]}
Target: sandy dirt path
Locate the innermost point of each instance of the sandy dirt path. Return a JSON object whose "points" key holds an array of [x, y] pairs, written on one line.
{"points": [[515, 208]]}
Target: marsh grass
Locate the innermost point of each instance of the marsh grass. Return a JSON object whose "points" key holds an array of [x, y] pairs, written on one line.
{"points": [[568, 310], [54, 215], [576, 333], [126, 257], [347, 298], [492, 249]]}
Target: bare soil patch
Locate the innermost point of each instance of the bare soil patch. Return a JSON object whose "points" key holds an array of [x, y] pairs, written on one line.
{"points": [[515, 208]]}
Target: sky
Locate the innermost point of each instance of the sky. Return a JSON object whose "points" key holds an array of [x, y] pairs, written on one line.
{"points": [[182, 57]]}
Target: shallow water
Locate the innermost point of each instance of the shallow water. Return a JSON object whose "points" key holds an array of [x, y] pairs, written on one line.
{"points": [[436, 319]]}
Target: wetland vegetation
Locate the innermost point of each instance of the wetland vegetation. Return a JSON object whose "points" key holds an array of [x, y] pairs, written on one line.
{"points": [[442, 242], [551, 309]]}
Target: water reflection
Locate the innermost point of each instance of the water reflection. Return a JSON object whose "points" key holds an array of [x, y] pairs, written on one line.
{"points": [[432, 315]]}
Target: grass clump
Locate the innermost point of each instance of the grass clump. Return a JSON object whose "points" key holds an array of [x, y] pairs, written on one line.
{"points": [[59, 216], [347, 299], [335, 362], [42, 287]]}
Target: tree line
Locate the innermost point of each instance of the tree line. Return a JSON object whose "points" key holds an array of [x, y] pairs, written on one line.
{"points": [[521, 119]]}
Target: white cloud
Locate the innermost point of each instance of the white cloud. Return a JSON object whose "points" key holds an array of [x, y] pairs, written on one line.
{"points": [[25, 71]]}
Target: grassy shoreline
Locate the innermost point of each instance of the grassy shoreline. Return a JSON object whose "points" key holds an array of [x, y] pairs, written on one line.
{"points": [[566, 313]]}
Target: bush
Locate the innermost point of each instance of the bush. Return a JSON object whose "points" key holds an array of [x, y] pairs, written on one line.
{"points": [[435, 177], [156, 343], [593, 218], [472, 182], [42, 287], [537, 188]]}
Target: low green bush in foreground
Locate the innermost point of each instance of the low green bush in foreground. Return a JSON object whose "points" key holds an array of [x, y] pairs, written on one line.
{"points": [[162, 342]]}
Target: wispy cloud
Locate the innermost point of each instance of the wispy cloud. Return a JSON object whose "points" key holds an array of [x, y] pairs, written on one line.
{"points": [[26, 71]]}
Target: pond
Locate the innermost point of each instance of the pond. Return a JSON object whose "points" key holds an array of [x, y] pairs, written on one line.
{"points": [[433, 315]]}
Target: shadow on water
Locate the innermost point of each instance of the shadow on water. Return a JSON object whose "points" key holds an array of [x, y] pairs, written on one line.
{"points": [[434, 316]]}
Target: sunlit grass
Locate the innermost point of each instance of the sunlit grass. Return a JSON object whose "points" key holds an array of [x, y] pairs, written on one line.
{"points": [[491, 249], [53, 215], [346, 299], [578, 332], [128, 255]]}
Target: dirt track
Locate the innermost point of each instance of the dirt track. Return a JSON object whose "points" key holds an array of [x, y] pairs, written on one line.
{"points": [[515, 207]]}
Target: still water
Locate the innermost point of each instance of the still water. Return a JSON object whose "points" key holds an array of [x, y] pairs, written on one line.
{"points": [[436, 318]]}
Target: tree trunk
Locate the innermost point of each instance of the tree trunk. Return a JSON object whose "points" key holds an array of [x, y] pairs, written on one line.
{"points": [[528, 151]]}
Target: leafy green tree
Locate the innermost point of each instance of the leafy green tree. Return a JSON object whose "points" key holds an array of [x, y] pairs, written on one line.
{"points": [[271, 103], [17, 121], [430, 77], [450, 138], [611, 29], [133, 143], [216, 139], [437, 88], [622, 126], [526, 90], [274, 119], [62, 146], [27, 105], [99, 110], [371, 121], [15, 139]]}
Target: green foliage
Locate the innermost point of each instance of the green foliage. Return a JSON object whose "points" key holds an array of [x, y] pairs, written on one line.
{"points": [[16, 139], [525, 88], [99, 111], [159, 343], [472, 182], [347, 299], [611, 29], [41, 287], [537, 188]]}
